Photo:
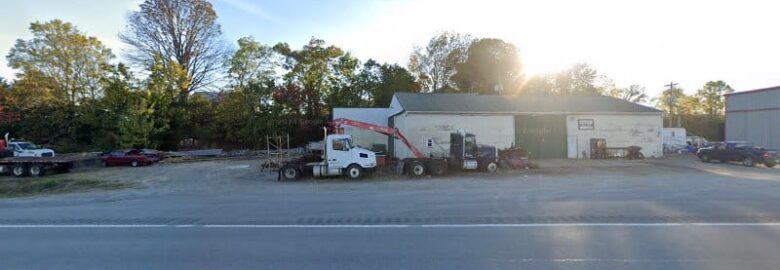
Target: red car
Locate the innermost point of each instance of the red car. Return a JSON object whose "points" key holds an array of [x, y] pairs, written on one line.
{"points": [[133, 158]]}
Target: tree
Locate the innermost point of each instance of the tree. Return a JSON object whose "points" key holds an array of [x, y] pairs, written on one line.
{"points": [[634, 93], [395, 78], [491, 66], [674, 103], [711, 97], [435, 64], [181, 32], [312, 69], [383, 81], [580, 78], [252, 62], [71, 63]]}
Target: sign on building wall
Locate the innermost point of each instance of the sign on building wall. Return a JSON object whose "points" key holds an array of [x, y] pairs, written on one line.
{"points": [[586, 124]]}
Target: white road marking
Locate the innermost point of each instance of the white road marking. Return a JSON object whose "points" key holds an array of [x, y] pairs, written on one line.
{"points": [[291, 226]]}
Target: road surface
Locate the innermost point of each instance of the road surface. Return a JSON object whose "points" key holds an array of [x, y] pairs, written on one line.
{"points": [[654, 215]]}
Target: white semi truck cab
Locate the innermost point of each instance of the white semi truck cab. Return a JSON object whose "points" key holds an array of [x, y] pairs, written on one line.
{"points": [[339, 158]]}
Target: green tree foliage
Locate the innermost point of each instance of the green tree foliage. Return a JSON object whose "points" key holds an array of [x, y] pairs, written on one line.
{"points": [[434, 64], [383, 81], [59, 64], [252, 62], [323, 73], [491, 66], [711, 98]]}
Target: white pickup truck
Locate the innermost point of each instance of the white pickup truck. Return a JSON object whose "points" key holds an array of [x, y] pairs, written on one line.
{"points": [[28, 149]]}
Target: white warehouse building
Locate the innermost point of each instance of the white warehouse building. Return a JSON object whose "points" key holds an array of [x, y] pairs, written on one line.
{"points": [[547, 126]]}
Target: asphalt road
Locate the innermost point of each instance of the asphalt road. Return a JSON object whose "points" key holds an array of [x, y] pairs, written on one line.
{"points": [[671, 214]]}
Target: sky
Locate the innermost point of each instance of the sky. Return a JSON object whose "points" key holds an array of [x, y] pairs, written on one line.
{"points": [[645, 42]]}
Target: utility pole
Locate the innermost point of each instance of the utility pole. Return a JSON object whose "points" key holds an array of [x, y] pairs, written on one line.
{"points": [[673, 104]]}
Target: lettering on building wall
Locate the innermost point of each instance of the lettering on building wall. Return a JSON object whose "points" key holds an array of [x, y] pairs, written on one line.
{"points": [[586, 124]]}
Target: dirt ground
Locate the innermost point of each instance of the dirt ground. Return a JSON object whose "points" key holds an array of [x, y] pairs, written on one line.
{"points": [[241, 175]]}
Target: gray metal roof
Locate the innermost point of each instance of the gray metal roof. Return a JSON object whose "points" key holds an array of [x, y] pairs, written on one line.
{"points": [[472, 103]]}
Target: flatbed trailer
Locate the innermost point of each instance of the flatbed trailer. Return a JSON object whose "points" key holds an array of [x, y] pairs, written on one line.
{"points": [[37, 166]]}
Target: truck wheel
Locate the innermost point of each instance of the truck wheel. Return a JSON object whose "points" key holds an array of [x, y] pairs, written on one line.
{"points": [[438, 169], [748, 162], [416, 169], [354, 172], [36, 170], [134, 163], [491, 167], [290, 173], [19, 170], [769, 164], [705, 158]]}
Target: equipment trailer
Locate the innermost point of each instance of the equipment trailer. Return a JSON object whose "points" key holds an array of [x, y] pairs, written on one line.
{"points": [[35, 166]]}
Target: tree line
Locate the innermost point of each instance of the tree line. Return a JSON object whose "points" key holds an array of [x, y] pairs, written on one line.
{"points": [[182, 85]]}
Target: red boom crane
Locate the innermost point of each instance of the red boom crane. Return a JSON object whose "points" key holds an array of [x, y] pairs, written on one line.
{"points": [[393, 132]]}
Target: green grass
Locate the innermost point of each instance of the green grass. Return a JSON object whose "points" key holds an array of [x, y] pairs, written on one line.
{"points": [[30, 186]]}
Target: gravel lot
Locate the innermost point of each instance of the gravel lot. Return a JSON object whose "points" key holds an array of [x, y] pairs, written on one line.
{"points": [[227, 176]]}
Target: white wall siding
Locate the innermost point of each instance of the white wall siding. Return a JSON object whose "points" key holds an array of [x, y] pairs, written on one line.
{"points": [[362, 137], [619, 131], [496, 130]]}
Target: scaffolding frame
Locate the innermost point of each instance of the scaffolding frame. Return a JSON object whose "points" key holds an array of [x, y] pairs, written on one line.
{"points": [[277, 151]]}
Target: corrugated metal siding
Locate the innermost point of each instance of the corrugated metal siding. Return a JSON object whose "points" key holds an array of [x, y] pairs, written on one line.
{"points": [[754, 117], [753, 101], [760, 127]]}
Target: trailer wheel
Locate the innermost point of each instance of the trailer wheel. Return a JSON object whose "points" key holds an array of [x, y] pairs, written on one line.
{"points": [[36, 170], [416, 169], [354, 171], [491, 167], [19, 170], [290, 173]]}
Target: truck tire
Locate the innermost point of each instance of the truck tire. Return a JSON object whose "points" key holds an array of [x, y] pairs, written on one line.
{"points": [[36, 170], [19, 170], [705, 158], [438, 169], [416, 169], [769, 164], [748, 162], [491, 167], [354, 172], [290, 173]]}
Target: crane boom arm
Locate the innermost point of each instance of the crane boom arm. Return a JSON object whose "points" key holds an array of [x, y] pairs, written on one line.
{"points": [[393, 132]]}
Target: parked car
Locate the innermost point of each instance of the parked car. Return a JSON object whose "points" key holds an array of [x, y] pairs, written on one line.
{"points": [[151, 154], [134, 157], [743, 152]]}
